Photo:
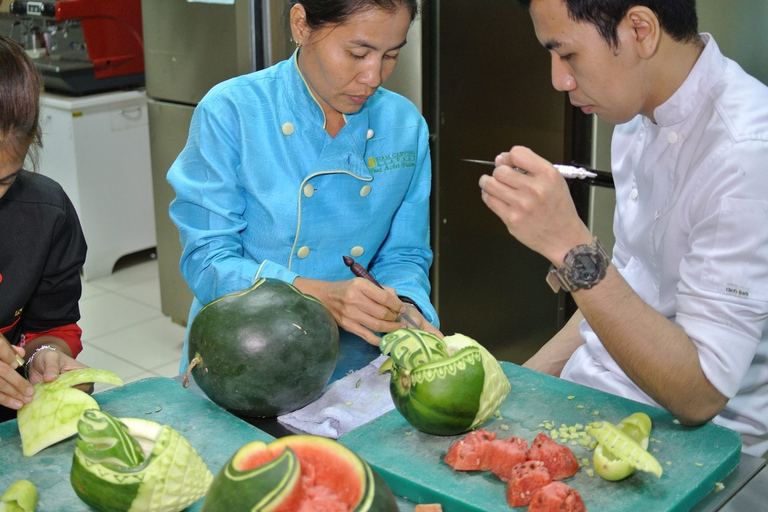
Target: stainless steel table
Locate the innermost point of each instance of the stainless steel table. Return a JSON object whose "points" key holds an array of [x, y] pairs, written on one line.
{"points": [[745, 489]]}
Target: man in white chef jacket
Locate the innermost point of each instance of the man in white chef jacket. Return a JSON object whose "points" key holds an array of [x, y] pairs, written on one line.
{"points": [[677, 317]]}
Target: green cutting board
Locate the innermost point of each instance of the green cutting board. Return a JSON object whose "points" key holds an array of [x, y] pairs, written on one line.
{"points": [[212, 431], [694, 459]]}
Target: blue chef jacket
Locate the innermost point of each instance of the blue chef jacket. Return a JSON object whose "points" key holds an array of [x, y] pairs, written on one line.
{"points": [[262, 190]]}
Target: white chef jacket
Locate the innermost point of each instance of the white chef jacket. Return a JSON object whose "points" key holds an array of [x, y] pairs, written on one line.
{"points": [[691, 227]]}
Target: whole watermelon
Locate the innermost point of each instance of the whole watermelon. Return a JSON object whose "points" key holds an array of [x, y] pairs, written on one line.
{"points": [[264, 351]]}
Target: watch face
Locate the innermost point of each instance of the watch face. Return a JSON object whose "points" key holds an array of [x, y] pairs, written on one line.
{"points": [[585, 269]]}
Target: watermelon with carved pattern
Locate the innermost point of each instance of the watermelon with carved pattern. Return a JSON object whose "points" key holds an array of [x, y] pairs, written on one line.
{"points": [[443, 386]]}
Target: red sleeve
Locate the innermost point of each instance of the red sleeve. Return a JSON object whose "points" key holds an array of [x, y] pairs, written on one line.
{"points": [[70, 334]]}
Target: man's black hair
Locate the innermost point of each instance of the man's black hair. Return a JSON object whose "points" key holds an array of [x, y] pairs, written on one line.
{"points": [[677, 17]]}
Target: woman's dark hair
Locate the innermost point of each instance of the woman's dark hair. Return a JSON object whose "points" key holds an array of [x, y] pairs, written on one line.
{"points": [[333, 12], [676, 17], [19, 99]]}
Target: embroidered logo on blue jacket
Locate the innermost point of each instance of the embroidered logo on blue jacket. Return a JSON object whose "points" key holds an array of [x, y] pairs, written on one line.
{"points": [[392, 161]]}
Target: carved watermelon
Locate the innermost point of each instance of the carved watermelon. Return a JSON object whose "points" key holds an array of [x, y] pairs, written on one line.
{"points": [[264, 351], [135, 465], [301, 472], [443, 386]]}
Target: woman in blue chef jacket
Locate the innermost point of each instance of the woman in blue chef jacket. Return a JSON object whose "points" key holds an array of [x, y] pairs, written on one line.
{"points": [[288, 169]]}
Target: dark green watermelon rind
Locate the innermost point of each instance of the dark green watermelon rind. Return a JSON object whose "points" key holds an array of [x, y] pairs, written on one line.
{"points": [[269, 484], [119, 498], [236, 335], [259, 282], [379, 497], [444, 396]]}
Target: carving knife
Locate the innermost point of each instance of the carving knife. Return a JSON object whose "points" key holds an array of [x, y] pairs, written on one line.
{"points": [[567, 171]]}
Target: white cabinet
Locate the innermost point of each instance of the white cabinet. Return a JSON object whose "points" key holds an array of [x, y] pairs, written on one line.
{"points": [[97, 148]]}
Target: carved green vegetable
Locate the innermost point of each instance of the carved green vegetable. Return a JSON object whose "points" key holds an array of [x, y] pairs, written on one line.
{"points": [[21, 496], [132, 464], [613, 468], [443, 386], [56, 407], [622, 445]]}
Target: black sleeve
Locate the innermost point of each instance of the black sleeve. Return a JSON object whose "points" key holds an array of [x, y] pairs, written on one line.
{"points": [[54, 302]]}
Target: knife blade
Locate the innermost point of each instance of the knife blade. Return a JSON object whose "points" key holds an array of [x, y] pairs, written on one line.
{"points": [[567, 171]]}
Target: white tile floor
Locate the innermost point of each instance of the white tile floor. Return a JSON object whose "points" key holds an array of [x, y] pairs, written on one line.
{"points": [[124, 330]]}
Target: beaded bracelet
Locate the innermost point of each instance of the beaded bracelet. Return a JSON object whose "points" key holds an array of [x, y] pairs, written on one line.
{"points": [[32, 357]]}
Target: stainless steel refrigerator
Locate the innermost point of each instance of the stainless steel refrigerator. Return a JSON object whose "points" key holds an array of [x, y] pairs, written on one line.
{"points": [[188, 48]]}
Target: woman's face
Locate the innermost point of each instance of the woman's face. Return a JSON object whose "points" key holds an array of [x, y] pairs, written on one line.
{"points": [[345, 64], [10, 165]]}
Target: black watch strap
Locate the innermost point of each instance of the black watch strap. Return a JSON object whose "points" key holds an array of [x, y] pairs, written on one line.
{"points": [[408, 300]]}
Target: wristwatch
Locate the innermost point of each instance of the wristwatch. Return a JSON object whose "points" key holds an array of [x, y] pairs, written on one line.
{"points": [[583, 267]]}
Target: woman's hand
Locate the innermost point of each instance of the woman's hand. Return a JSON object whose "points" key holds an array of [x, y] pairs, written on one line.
{"points": [[422, 322], [49, 364], [15, 391], [359, 306]]}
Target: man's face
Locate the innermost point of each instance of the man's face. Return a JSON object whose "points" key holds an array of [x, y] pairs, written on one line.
{"points": [[599, 79]]}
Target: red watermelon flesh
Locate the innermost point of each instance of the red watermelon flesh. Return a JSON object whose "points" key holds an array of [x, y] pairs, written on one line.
{"points": [[468, 453], [321, 488], [558, 459], [557, 497], [524, 480], [502, 455], [324, 490]]}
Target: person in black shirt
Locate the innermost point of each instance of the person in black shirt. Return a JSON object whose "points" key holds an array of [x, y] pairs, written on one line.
{"points": [[42, 247]]}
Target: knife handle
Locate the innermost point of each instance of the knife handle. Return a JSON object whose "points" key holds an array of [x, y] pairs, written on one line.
{"points": [[359, 271]]}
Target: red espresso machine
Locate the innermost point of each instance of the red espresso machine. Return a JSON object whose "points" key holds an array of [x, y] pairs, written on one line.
{"points": [[93, 45]]}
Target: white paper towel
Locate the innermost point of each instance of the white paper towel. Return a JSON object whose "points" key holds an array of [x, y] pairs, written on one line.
{"points": [[348, 403]]}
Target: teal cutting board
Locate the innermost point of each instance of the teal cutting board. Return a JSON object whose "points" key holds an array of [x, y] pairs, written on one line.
{"points": [[213, 432], [694, 459]]}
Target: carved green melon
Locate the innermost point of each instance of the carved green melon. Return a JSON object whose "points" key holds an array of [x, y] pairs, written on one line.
{"points": [[133, 464], [21, 496], [56, 407], [300, 472], [443, 386]]}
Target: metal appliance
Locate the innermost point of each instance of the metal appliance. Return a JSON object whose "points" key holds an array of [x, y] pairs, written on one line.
{"points": [[84, 46], [189, 47]]}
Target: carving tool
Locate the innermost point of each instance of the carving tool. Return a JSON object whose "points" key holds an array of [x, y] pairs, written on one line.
{"points": [[359, 271]]}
